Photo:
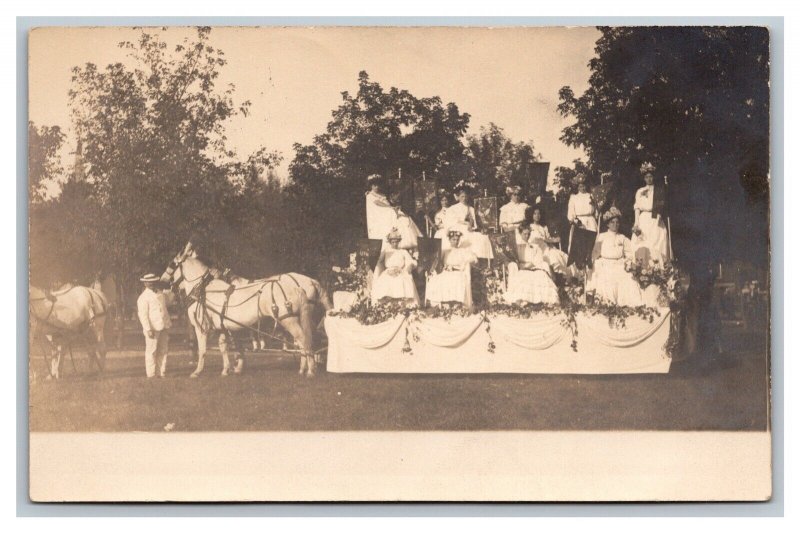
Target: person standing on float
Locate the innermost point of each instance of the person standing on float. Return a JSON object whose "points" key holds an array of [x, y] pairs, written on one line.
{"points": [[581, 211], [650, 240], [513, 213]]}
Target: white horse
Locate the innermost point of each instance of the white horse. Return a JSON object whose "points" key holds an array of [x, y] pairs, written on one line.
{"points": [[67, 315], [290, 299]]}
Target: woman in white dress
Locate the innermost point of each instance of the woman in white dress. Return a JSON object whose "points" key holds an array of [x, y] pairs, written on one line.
{"points": [[461, 216], [382, 216], [650, 241], [393, 278], [440, 218], [540, 236], [452, 284], [531, 280], [581, 211], [610, 280], [513, 213]]}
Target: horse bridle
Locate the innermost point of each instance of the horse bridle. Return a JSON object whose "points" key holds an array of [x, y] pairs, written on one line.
{"points": [[178, 264]]}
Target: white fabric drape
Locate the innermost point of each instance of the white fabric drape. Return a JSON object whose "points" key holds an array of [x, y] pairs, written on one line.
{"points": [[439, 332], [369, 337], [539, 345], [538, 333], [636, 329]]}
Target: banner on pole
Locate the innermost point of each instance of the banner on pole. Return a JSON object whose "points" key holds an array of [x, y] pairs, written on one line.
{"points": [[504, 247], [486, 213], [581, 244], [425, 197], [430, 253]]}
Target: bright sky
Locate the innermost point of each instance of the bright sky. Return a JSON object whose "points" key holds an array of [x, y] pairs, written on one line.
{"points": [[294, 76]]}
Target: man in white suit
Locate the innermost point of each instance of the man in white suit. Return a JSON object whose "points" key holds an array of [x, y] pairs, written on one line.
{"points": [[154, 316]]}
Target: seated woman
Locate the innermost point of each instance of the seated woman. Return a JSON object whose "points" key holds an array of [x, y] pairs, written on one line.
{"points": [[461, 216], [610, 281], [452, 284], [530, 281], [382, 216], [513, 213], [553, 255], [393, 278]]}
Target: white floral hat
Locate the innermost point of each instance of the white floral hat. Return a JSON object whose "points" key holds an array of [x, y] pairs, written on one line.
{"points": [[611, 214]]}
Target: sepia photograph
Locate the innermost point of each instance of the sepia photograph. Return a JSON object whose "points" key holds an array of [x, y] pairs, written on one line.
{"points": [[398, 236]]}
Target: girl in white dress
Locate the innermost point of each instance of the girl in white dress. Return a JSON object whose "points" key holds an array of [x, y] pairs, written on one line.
{"points": [[382, 216], [393, 273], [609, 279], [553, 256], [650, 241], [531, 281], [513, 213], [452, 284], [461, 216]]}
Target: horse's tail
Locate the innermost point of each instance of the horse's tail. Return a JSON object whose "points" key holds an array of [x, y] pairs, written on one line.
{"points": [[99, 302], [323, 296]]}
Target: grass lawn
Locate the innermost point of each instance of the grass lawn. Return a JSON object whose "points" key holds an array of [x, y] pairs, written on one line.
{"points": [[730, 394]]}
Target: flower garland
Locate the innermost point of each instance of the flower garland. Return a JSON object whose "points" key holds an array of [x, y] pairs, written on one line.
{"points": [[470, 185], [617, 314], [348, 280], [667, 277]]}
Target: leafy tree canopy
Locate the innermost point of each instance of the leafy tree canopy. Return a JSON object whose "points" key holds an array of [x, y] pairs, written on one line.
{"points": [[695, 102]]}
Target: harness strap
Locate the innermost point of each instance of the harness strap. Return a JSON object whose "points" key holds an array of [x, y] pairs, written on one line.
{"points": [[228, 293]]}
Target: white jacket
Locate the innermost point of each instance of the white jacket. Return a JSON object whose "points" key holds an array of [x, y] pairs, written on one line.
{"points": [[153, 313]]}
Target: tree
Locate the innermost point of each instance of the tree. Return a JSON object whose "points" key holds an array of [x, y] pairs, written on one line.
{"points": [[155, 154], [44, 164], [373, 131], [497, 161], [695, 102]]}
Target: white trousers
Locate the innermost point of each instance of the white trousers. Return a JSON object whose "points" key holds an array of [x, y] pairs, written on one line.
{"points": [[155, 353]]}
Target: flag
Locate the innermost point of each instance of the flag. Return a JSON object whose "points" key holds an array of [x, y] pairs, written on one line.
{"points": [[368, 252], [581, 244], [425, 197], [430, 253], [600, 194], [486, 212], [660, 201], [401, 193], [504, 246], [536, 177]]}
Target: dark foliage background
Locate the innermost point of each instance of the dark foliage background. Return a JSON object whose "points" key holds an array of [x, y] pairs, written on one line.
{"points": [[154, 168]]}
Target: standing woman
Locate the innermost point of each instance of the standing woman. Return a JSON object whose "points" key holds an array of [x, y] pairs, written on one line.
{"points": [[382, 216], [581, 211], [440, 218], [461, 216], [513, 213], [650, 240]]}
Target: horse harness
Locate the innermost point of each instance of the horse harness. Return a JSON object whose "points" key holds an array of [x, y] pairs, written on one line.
{"points": [[49, 296], [199, 292]]}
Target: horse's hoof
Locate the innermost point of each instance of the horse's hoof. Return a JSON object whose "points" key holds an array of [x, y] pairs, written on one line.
{"points": [[194, 375], [311, 375]]}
